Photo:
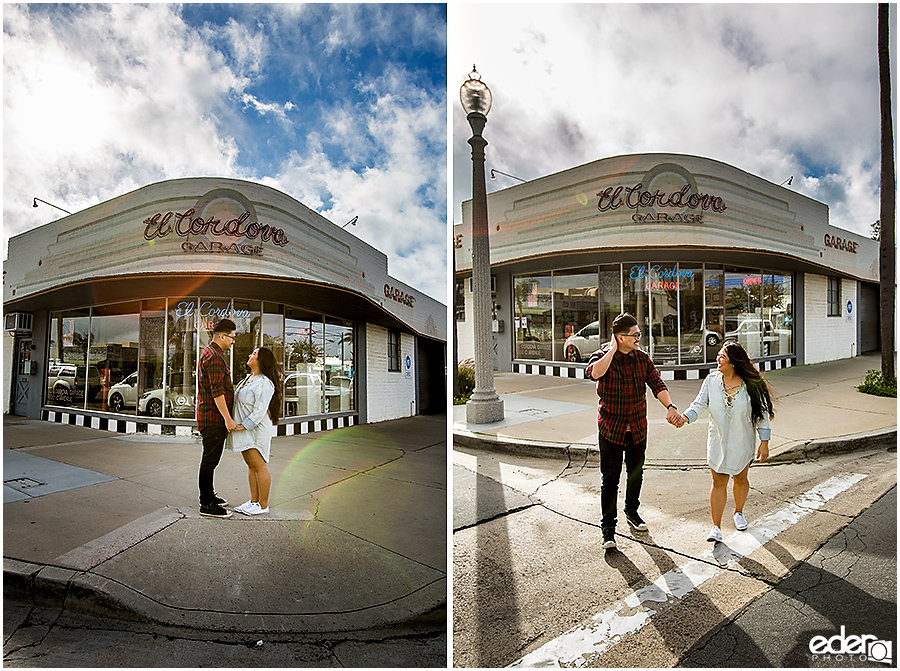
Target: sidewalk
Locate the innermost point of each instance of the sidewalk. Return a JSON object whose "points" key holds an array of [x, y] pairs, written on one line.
{"points": [[356, 540], [818, 410]]}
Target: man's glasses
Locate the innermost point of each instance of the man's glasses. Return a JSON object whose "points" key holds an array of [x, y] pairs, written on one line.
{"points": [[228, 335], [636, 336]]}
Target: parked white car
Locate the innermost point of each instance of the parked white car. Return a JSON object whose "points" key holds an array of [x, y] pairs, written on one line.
{"points": [[177, 404], [758, 335], [579, 346], [123, 395]]}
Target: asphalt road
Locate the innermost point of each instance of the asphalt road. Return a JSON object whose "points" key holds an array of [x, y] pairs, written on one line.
{"points": [[849, 583], [533, 587], [52, 638]]}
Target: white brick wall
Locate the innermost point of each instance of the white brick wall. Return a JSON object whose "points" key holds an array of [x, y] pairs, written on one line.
{"points": [[391, 395], [829, 338]]}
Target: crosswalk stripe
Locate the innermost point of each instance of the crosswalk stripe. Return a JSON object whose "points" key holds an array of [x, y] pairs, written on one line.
{"points": [[603, 630]]}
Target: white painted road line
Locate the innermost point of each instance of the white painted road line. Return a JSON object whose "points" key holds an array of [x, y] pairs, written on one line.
{"points": [[599, 633]]}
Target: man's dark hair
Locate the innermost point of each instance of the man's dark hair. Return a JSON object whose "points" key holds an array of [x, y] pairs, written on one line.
{"points": [[623, 323], [224, 326]]}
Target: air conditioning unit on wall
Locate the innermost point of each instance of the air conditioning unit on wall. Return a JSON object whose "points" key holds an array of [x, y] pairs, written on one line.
{"points": [[18, 322]]}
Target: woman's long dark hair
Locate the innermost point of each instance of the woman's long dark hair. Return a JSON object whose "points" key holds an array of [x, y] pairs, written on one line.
{"points": [[268, 366], [757, 386]]}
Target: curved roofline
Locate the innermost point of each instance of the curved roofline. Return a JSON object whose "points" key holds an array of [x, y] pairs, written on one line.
{"points": [[652, 153]]}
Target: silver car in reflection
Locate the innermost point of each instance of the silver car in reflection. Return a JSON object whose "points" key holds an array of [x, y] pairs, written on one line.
{"points": [[178, 404]]}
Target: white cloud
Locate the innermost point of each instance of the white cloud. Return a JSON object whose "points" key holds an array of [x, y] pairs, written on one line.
{"points": [[395, 195], [276, 110], [84, 122]]}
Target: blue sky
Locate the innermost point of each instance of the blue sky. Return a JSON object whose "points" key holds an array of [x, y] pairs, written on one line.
{"points": [[774, 89], [341, 106]]}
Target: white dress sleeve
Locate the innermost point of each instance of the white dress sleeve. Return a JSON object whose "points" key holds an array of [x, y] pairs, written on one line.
{"points": [[700, 404], [263, 390]]}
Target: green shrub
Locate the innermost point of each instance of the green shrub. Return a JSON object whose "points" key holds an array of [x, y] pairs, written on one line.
{"points": [[876, 385], [466, 385]]}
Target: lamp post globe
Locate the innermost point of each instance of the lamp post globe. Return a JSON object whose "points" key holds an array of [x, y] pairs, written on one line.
{"points": [[474, 95], [485, 406]]}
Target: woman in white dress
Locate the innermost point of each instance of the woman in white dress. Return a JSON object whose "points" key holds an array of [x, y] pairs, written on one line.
{"points": [[740, 406], [257, 407]]}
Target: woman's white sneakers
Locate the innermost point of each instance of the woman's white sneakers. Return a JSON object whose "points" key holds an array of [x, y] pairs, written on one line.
{"points": [[251, 508], [715, 534]]}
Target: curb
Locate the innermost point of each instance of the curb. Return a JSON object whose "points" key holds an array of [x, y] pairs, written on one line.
{"points": [[92, 594], [885, 439], [578, 452]]}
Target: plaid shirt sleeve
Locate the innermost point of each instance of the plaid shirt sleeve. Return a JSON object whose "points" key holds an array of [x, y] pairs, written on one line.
{"points": [[654, 379]]}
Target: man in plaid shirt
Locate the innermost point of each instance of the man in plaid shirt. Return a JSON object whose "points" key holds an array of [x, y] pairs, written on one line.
{"points": [[621, 373], [215, 398]]}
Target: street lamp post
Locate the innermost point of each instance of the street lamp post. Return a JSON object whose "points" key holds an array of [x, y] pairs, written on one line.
{"points": [[485, 406]]}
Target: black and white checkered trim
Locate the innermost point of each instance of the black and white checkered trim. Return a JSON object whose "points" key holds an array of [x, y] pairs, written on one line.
{"points": [[112, 424], [115, 425], [316, 425], [576, 371]]}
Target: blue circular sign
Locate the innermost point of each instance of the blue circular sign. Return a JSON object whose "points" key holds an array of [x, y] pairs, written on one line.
{"points": [[849, 307]]}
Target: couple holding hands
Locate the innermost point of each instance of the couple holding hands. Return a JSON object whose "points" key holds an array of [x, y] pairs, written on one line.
{"points": [[740, 406], [256, 404]]}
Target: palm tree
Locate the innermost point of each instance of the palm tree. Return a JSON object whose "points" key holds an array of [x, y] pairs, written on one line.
{"points": [[888, 198]]}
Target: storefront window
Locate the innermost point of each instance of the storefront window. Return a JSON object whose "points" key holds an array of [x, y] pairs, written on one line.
{"points": [[339, 370], [151, 361], [534, 320], [67, 373], [684, 310], [662, 290], [180, 396], [743, 311], [273, 330], [576, 331], [714, 283], [778, 312], [140, 358], [610, 298], [304, 382], [246, 317], [690, 297], [115, 343], [636, 299]]}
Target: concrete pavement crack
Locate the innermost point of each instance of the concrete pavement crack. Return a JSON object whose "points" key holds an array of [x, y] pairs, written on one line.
{"points": [[548, 482]]}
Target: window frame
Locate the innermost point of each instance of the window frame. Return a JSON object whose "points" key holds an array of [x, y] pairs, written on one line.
{"points": [[833, 296], [393, 353]]}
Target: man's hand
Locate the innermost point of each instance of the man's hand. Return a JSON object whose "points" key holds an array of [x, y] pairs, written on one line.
{"points": [[231, 425], [673, 418]]}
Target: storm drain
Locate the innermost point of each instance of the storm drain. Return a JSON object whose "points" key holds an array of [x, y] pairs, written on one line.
{"points": [[24, 483], [534, 412]]}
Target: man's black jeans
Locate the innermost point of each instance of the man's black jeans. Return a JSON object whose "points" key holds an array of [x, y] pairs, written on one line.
{"points": [[213, 444], [611, 457]]}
